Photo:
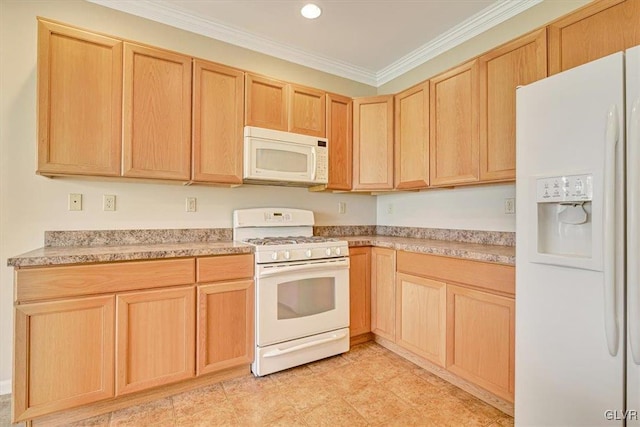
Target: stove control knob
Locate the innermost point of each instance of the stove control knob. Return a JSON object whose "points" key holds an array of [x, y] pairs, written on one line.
{"points": [[308, 253], [287, 255], [274, 256], [328, 251], [338, 251]]}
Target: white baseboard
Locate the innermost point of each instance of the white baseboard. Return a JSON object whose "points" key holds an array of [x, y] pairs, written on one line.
{"points": [[5, 387]]}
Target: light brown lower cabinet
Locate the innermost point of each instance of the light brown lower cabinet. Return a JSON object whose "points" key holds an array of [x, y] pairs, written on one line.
{"points": [[64, 353], [156, 338], [383, 293], [421, 316], [455, 313], [225, 325], [359, 291], [72, 349], [481, 339]]}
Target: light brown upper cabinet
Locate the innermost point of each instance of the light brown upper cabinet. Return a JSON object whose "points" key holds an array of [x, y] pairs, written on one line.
{"points": [[274, 104], [340, 135], [373, 143], [79, 102], [266, 103], [454, 142], [157, 113], [218, 121], [412, 137], [596, 30], [518, 62], [307, 111]]}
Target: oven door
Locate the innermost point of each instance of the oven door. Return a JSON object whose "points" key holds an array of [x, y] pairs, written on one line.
{"points": [[299, 300]]}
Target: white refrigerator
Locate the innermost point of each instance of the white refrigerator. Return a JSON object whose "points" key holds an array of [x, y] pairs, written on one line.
{"points": [[577, 214]]}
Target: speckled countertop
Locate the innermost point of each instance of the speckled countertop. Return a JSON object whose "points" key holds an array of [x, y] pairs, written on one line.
{"points": [[58, 255], [475, 251]]}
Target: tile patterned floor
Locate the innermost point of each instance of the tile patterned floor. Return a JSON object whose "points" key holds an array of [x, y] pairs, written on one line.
{"points": [[369, 386]]}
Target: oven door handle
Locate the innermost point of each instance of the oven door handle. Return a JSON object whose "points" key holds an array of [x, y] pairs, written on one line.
{"points": [[277, 352], [321, 266]]}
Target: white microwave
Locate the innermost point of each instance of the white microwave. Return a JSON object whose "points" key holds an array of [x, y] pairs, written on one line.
{"points": [[272, 156]]}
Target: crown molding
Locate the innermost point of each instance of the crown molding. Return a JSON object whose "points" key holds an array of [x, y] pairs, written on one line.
{"points": [[169, 14], [477, 24]]}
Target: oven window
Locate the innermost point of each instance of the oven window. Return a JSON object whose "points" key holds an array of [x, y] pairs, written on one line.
{"points": [[306, 297], [280, 160]]}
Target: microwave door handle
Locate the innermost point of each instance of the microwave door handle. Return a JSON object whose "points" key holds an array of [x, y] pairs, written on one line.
{"points": [[314, 162]]}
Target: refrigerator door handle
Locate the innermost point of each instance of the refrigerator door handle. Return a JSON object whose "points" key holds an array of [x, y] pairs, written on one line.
{"points": [[610, 276], [633, 233]]}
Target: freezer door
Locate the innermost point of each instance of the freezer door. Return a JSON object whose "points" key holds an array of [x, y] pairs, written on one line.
{"points": [[633, 236], [570, 320]]}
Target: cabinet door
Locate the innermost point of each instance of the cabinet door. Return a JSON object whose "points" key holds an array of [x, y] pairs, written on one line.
{"points": [[373, 143], [383, 292], [266, 103], [454, 126], [359, 291], [519, 62], [480, 339], [218, 122], [340, 135], [597, 30], [79, 102], [156, 338], [225, 325], [421, 316], [412, 138], [157, 113], [64, 352], [307, 111]]}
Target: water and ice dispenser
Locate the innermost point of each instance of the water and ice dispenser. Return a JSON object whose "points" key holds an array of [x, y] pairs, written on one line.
{"points": [[564, 232]]}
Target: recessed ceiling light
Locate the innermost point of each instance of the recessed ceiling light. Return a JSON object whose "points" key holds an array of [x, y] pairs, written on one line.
{"points": [[310, 11]]}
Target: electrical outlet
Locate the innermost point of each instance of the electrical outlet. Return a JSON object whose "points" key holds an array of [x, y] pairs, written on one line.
{"points": [[108, 202], [510, 206], [342, 207], [390, 208], [191, 204], [75, 202]]}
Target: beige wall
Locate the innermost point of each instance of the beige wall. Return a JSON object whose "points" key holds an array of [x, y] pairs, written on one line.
{"points": [[533, 18], [31, 204]]}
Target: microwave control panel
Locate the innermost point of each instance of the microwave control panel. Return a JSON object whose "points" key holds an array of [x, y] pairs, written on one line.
{"points": [[322, 164]]}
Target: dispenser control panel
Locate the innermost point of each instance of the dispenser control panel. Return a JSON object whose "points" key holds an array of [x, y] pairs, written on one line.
{"points": [[568, 188]]}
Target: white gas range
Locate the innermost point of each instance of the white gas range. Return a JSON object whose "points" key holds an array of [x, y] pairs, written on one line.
{"points": [[302, 288]]}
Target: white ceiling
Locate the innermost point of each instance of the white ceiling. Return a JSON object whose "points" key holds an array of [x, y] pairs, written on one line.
{"points": [[370, 41]]}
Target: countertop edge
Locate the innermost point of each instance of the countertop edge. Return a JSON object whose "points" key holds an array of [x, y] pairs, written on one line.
{"points": [[87, 255]]}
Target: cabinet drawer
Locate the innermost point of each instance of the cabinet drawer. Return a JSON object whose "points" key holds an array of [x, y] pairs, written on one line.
{"points": [[58, 282], [490, 276], [217, 268]]}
